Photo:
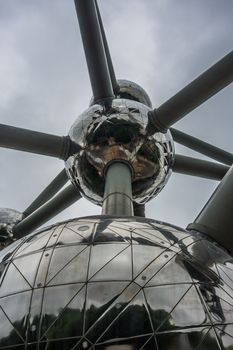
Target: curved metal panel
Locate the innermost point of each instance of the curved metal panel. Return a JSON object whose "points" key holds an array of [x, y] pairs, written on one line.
{"points": [[116, 283]]}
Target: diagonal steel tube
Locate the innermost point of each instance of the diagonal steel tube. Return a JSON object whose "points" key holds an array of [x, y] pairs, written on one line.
{"points": [[94, 50], [115, 85], [36, 142], [202, 147], [216, 219], [190, 97], [58, 182], [54, 206], [198, 167]]}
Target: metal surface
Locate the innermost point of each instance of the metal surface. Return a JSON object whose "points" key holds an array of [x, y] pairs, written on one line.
{"points": [[132, 91], [58, 182], [94, 50], [202, 147], [54, 206], [198, 167], [36, 142], [118, 190], [193, 95], [114, 82], [8, 218], [118, 133], [129, 90], [139, 209], [116, 283], [216, 219]]}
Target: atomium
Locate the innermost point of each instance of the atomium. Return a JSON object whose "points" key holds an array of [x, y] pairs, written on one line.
{"points": [[116, 283], [119, 281], [129, 90], [118, 132], [132, 91]]}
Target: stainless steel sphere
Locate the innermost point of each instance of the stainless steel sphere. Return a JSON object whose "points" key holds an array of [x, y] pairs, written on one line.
{"points": [[120, 283], [132, 91], [119, 133]]}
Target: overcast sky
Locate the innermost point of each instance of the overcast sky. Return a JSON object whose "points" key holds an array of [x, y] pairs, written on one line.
{"points": [[44, 85]]}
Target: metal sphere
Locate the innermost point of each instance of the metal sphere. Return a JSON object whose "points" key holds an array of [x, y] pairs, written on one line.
{"points": [[116, 283], [132, 91], [119, 133]]}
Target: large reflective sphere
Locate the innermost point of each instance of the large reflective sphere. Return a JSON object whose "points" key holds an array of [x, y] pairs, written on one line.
{"points": [[118, 133], [120, 283]]}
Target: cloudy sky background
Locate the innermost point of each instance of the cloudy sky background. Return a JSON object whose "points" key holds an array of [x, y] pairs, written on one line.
{"points": [[44, 85]]}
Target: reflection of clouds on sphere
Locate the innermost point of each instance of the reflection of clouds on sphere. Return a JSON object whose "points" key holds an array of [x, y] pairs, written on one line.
{"points": [[128, 282], [132, 91], [118, 133]]}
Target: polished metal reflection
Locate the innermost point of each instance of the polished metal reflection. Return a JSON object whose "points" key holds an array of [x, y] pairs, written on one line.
{"points": [[8, 218], [131, 91], [122, 283], [119, 133]]}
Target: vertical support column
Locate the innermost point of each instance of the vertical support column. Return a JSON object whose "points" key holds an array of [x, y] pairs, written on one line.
{"points": [[139, 209], [118, 191]]}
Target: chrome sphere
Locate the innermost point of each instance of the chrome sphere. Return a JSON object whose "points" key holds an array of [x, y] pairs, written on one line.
{"points": [[132, 91], [116, 283], [119, 133]]}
